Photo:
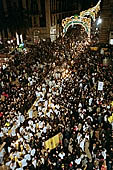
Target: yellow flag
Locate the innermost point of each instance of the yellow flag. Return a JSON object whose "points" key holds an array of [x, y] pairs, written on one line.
{"points": [[7, 124], [16, 159], [11, 156], [48, 144], [53, 142], [10, 131], [27, 147], [37, 126], [94, 48], [112, 103], [21, 147], [110, 119], [20, 153], [20, 164]]}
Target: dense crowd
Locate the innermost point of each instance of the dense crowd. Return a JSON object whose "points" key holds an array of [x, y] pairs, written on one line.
{"points": [[63, 79]]}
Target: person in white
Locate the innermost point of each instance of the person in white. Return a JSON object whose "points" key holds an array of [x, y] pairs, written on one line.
{"points": [[13, 165], [77, 160], [31, 114], [45, 129], [13, 133], [61, 155], [78, 137], [104, 153], [24, 163], [32, 152], [1, 134], [2, 155], [90, 101], [82, 141], [34, 162], [27, 157]]}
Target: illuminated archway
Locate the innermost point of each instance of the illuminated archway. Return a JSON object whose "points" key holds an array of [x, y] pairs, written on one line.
{"points": [[76, 20], [88, 13], [82, 20], [75, 23], [92, 12]]}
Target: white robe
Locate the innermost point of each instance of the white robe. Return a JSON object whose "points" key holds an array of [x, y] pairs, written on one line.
{"points": [[31, 114]]}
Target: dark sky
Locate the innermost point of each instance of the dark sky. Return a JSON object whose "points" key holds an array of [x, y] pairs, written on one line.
{"points": [[87, 3]]}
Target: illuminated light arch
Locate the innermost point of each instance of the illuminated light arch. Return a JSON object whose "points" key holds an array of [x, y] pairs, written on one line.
{"points": [[82, 19], [92, 12], [88, 13], [76, 20], [75, 23]]}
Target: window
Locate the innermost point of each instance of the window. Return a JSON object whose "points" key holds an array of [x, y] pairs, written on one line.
{"points": [[54, 20], [34, 21], [43, 14], [27, 4]]}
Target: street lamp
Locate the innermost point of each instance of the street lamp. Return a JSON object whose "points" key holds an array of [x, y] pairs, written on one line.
{"points": [[99, 21]]}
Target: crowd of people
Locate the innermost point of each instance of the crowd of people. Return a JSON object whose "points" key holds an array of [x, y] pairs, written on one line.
{"points": [[61, 79]]}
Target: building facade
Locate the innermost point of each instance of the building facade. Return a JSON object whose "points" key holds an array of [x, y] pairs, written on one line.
{"points": [[106, 28], [45, 16], [51, 13]]}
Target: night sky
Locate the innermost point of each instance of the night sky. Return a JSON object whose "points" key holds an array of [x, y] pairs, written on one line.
{"points": [[87, 3]]}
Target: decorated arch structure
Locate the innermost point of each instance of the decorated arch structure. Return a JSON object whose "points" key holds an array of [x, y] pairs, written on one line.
{"points": [[82, 20], [92, 12], [77, 20]]}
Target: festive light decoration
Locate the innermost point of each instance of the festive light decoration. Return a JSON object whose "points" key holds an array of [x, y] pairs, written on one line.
{"points": [[88, 13], [92, 12], [17, 37], [82, 19], [99, 21]]}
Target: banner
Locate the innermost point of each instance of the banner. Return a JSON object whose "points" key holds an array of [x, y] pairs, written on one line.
{"points": [[100, 85], [94, 48], [53, 142]]}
